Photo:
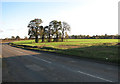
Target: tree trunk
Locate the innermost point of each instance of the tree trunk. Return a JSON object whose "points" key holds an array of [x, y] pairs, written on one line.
{"points": [[36, 38], [62, 35], [43, 38], [62, 38], [57, 38], [49, 38]]}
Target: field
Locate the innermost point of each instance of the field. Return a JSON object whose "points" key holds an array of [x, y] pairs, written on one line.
{"points": [[98, 49]]}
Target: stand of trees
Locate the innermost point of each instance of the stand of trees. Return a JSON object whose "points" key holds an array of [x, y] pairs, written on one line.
{"points": [[69, 37], [56, 30], [16, 38], [66, 36]]}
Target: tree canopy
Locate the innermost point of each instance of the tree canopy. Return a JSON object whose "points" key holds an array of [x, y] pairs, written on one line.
{"points": [[55, 30], [34, 28]]}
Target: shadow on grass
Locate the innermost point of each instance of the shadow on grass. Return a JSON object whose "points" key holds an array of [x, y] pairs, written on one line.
{"points": [[103, 53], [106, 52], [49, 48]]}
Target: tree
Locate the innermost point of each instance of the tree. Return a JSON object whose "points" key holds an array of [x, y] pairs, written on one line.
{"points": [[87, 37], [56, 26], [17, 38], [50, 32], [25, 38], [34, 26], [65, 28], [106, 36], [43, 32], [12, 37], [6, 38]]}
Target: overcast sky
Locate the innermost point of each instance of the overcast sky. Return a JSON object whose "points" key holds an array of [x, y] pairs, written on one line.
{"points": [[86, 17]]}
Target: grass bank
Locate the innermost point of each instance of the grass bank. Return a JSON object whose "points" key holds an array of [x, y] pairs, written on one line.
{"points": [[98, 49]]}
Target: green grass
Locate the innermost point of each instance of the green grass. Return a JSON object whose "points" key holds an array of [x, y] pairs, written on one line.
{"points": [[69, 42], [98, 49]]}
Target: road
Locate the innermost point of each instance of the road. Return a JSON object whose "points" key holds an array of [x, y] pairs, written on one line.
{"points": [[19, 65]]}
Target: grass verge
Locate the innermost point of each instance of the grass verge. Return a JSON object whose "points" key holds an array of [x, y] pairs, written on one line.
{"points": [[98, 49]]}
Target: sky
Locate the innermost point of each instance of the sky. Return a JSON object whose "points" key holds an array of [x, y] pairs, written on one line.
{"points": [[86, 17]]}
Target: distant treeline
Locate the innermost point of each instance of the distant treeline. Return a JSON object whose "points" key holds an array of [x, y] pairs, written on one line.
{"points": [[72, 37], [94, 37]]}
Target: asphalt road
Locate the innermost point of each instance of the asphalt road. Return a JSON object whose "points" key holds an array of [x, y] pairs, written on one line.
{"points": [[19, 65]]}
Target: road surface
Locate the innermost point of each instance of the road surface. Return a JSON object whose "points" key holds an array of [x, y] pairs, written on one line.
{"points": [[19, 65]]}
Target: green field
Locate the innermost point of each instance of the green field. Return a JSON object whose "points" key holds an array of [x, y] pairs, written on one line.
{"points": [[99, 49]]}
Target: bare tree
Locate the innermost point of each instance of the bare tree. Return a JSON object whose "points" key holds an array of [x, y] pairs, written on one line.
{"points": [[43, 32], [56, 27], [65, 28]]}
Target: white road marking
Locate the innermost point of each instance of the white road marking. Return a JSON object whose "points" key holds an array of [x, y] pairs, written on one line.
{"points": [[45, 61], [40, 59], [37, 68], [12, 50], [94, 76], [35, 57]]}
